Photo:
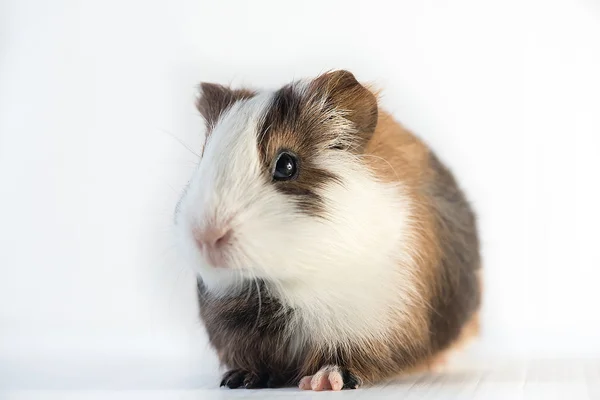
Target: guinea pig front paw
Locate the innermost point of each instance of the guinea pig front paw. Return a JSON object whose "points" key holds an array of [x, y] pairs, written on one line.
{"points": [[236, 378], [330, 377]]}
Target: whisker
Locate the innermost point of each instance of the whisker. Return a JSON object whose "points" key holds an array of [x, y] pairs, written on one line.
{"points": [[181, 142], [383, 159]]}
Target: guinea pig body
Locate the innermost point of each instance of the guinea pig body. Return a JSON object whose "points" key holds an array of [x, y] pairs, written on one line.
{"points": [[333, 249]]}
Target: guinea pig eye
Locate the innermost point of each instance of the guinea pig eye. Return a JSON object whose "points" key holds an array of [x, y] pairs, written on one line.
{"points": [[286, 167]]}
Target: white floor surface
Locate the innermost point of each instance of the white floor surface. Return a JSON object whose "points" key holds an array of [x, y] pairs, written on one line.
{"points": [[539, 379]]}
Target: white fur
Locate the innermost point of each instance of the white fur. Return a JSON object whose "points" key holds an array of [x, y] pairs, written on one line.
{"points": [[344, 275], [356, 265]]}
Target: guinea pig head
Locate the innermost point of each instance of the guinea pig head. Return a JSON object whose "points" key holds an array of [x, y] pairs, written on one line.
{"points": [[281, 193]]}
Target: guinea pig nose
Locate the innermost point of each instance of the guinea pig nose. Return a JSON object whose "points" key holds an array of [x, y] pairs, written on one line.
{"points": [[212, 236]]}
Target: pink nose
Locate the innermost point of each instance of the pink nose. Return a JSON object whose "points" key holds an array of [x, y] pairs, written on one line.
{"points": [[212, 237]]}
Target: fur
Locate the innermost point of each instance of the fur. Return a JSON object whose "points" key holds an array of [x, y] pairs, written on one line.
{"points": [[363, 267]]}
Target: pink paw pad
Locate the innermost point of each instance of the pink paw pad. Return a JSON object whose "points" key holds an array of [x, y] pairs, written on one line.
{"points": [[327, 378]]}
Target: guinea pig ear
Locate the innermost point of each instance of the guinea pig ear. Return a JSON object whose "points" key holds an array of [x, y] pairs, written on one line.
{"points": [[342, 92], [213, 99]]}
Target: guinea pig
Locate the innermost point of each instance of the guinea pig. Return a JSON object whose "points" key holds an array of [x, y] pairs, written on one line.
{"points": [[332, 248]]}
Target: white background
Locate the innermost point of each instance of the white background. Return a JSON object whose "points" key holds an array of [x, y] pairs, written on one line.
{"points": [[93, 93]]}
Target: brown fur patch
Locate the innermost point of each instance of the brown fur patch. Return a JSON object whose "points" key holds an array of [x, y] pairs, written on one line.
{"points": [[215, 99], [290, 126], [446, 236], [342, 91], [303, 121]]}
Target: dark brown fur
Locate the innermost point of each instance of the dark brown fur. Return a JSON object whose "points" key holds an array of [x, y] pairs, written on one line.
{"points": [[458, 296], [286, 127], [291, 124], [215, 99], [248, 329]]}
